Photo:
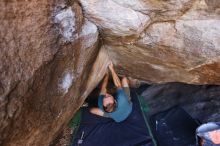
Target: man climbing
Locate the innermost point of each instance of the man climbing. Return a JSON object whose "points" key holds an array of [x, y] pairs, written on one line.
{"points": [[125, 124], [117, 107]]}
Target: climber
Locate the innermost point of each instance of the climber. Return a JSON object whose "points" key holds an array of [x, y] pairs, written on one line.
{"points": [[117, 107]]}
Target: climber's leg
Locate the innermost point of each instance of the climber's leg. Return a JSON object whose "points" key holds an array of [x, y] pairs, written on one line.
{"points": [[125, 85], [134, 83], [124, 82]]}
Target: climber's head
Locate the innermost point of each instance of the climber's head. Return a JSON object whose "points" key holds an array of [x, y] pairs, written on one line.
{"points": [[109, 103]]}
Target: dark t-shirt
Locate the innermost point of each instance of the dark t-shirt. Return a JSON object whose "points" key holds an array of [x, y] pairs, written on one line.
{"points": [[123, 109]]}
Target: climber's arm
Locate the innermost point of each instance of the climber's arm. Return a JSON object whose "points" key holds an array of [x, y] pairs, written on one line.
{"points": [[97, 111], [125, 85], [115, 77], [104, 85]]}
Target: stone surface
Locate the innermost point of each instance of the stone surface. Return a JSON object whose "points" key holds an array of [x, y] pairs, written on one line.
{"points": [[180, 43], [47, 53], [51, 57], [200, 101], [114, 19]]}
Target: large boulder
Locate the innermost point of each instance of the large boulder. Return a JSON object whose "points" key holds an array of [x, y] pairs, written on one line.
{"points": [[47, 52], [174, 40]]}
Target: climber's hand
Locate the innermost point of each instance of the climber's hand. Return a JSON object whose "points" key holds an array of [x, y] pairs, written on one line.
{"points": [[110, 66], [115, 77]]}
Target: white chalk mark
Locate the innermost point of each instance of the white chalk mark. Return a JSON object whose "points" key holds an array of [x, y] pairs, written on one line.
{"points": [[90, 34], [66, 21], [66, 82]]}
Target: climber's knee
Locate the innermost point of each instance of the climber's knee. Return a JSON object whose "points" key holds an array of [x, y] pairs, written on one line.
{"points": [[124, 82]]}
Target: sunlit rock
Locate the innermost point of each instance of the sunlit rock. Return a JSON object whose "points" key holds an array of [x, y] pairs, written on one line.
{"points": [[181, 43], [113, 18]]}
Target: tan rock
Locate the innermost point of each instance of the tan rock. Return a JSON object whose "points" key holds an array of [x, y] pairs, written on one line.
{"points": [[114, 19], [51, 58], [181, 40]]}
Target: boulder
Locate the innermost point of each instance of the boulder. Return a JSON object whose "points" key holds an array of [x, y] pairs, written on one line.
{"points": [[178, 42], [54, 53], [47, 53]]}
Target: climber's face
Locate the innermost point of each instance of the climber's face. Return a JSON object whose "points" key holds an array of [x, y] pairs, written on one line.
{"points": [[108, 103]]}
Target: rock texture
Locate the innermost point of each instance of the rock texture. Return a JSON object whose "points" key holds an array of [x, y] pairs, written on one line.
{"points": [[200, 101], [172, 40], [115, 19], [53, 53], [47, 52]]}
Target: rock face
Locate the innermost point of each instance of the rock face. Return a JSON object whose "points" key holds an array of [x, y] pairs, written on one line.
{"points": [[51, 57], [115, 19], [47, 52], [200, 101], [172, 40]]}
